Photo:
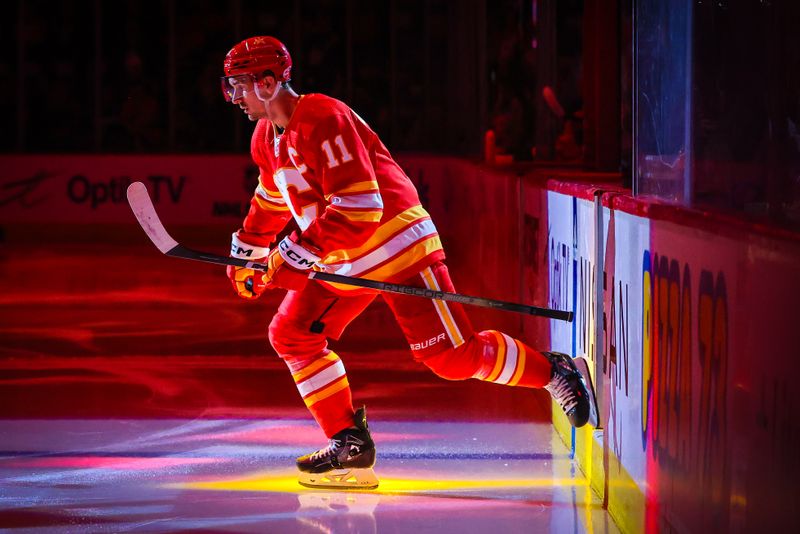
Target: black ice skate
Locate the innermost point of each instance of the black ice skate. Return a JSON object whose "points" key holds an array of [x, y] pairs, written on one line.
{"points": [[571, 387], [345, 463]]}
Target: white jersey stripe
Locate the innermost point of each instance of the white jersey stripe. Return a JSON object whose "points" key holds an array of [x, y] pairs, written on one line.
{"points": [[365, 200], [321, 379], [260, 191], [511, 361], [391, 248]]}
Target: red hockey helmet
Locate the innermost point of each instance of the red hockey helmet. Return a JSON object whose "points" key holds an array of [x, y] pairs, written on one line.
{"points": [[257, 55], [252, 58]]}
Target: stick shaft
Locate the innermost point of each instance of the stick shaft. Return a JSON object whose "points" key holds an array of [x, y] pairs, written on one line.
{"points": [[145, 213], [443, 295]]}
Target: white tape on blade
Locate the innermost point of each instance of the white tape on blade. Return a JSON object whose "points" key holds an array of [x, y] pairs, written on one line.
{"points": [[145, 213]]}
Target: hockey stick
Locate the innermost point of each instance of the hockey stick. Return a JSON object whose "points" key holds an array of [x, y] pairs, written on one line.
{"points": [[145, 213]]}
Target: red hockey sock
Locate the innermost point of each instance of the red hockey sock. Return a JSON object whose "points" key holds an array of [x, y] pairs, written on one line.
{"points": [[322, 382], [494, 357], [506, 360]]}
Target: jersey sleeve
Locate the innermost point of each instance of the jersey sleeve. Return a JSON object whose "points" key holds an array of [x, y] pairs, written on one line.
{"points": [[353, 203], [268, 213]]}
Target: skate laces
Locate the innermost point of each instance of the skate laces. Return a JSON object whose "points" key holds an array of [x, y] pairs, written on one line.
{"points": [[330, 450], [564, 394]]}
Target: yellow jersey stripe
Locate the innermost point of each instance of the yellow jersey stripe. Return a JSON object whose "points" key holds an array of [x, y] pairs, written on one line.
{"points": [[263, 192], [404, 259], [270, 192], [358, 187], [267, 205], [315, 366], [326, 392], [358, 215], [501, 357], [382, 234], [520, 364]]}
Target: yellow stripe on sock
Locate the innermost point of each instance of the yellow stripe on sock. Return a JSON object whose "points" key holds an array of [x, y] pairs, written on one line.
{"points": [[520, 364], [314, 366], [326, 392], [501, 357]]}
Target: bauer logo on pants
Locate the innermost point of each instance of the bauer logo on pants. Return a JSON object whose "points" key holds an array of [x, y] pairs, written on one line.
{"points": [[428, 343]]}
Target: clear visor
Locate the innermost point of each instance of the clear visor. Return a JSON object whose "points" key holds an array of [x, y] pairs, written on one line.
{"points": [[233, 87]]}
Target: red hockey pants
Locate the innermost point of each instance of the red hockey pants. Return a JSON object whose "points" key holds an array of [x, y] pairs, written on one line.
{"points": [[439, 334]]}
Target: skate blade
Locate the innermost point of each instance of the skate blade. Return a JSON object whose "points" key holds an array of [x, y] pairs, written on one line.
{"points": [[583, 368], [340, 479]]}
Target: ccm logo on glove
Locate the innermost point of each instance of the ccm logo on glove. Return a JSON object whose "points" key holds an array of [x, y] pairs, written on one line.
{"points": [[246, 251], [239, 252], [288, 265], [291, 252]]}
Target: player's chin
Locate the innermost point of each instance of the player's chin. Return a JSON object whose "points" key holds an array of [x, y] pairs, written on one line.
{"points": [[253, 116]]}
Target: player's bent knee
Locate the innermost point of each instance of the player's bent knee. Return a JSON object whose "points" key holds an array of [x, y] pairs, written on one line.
{"points": [[289, 339]]}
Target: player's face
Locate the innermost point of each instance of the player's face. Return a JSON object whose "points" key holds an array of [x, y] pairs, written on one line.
{"points": [[241, 91]]}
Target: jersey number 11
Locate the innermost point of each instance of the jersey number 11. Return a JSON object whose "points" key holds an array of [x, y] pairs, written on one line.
{"points": [[332, 161]]}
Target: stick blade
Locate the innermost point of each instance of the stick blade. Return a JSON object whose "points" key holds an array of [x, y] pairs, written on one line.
{"points": [[145, 213]]}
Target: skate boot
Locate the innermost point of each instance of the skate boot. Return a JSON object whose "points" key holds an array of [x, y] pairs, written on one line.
{"points": [[346, 463], [571, 387]]}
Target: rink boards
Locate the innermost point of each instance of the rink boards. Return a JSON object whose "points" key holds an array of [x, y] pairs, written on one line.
{"points": [[697, 363]]}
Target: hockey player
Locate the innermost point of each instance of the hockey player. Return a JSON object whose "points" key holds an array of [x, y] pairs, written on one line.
{"points": [[358, 214]]}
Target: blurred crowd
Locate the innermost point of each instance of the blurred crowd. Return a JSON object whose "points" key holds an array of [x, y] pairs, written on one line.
{"points": [[134, 76], [515, 94]]}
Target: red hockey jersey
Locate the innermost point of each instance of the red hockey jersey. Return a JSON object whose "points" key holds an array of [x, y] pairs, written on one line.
{"points": [[353, 203]]}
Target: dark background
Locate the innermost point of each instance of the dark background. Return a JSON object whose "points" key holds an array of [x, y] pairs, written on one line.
{"points": [[142, 76]]}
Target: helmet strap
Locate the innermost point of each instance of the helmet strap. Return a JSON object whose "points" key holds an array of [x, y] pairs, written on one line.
{"points": [[263, 98]]}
